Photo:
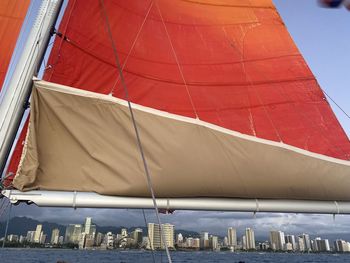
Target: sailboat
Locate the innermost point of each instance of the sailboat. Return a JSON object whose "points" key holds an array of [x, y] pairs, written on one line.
{"points": [[194, 104]]}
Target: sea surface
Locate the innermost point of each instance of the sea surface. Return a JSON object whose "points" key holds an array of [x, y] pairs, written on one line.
{"points": [[9, 255]]}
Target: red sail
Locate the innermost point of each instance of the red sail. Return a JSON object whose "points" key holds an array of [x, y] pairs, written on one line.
{"points": [[230, 63], [12, 14], [16, 156]]}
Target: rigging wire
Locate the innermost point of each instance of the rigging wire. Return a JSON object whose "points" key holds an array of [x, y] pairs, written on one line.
{"points": [[138, 139], [132, 47], [2, 211], [7, 225], [178, 64], [149, 240], [62, 40], [2, 204], [347, 115]]}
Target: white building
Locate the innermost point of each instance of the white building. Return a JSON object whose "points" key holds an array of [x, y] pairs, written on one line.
{"points": [[155, 236], [321, 245], [301, 244], [232, 237], [307, 242], [38, 234], [87, 226], [277, 240], [73, 232], [250, 238], [55, 236], [291, 239], [109, 240], [30, 236], [214, 243], [12, 238], [179, 239], [204, 240]]}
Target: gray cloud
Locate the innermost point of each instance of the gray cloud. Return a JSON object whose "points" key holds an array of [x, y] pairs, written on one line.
{"points": [[214, 222]]}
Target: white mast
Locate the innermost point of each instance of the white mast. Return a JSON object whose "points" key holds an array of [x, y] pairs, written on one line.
{"points": [[15, 96]]}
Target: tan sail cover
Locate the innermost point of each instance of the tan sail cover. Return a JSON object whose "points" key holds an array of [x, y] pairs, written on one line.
{"points": [[84, 141]]}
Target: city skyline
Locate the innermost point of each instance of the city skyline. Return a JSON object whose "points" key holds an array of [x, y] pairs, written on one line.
{"points": [[86, 236], [237, 231]]}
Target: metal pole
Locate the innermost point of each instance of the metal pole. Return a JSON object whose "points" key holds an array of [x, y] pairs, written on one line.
{"points": [[15, 98], [93, 200]]}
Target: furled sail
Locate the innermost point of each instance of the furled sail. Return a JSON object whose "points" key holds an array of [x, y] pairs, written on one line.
{"points": [[225, 102], [12, 14], [187, 157]]}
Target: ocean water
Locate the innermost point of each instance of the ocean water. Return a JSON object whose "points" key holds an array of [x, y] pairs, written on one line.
{"points": [[116, 256]]}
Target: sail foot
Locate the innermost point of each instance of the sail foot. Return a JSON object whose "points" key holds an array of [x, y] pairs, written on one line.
{"points": [[84, 141]]}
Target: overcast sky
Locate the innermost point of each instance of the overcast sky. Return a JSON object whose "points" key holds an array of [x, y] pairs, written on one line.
{"points": [[323, 36]]}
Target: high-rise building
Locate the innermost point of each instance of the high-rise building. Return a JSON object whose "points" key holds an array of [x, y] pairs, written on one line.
{"points": [[55, 236], [244, 242], [341, 246], [22, 239], [89, 241], [155, 236], [196, 243], [213, 242], [30, 236], [288, 247], [109, 239], [301, 244], [313, 244], [189, 242], [73, 232], [124, 232], [204, 240], [99, 239], [250, 238], [87, 225], [307, 243], [277, 240], [291, 239], [225, 242], [231, 237], [321, 245], [38, 233], [12, 238], [82, 240], [42, 238], [136, 235], [179, 239]]}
